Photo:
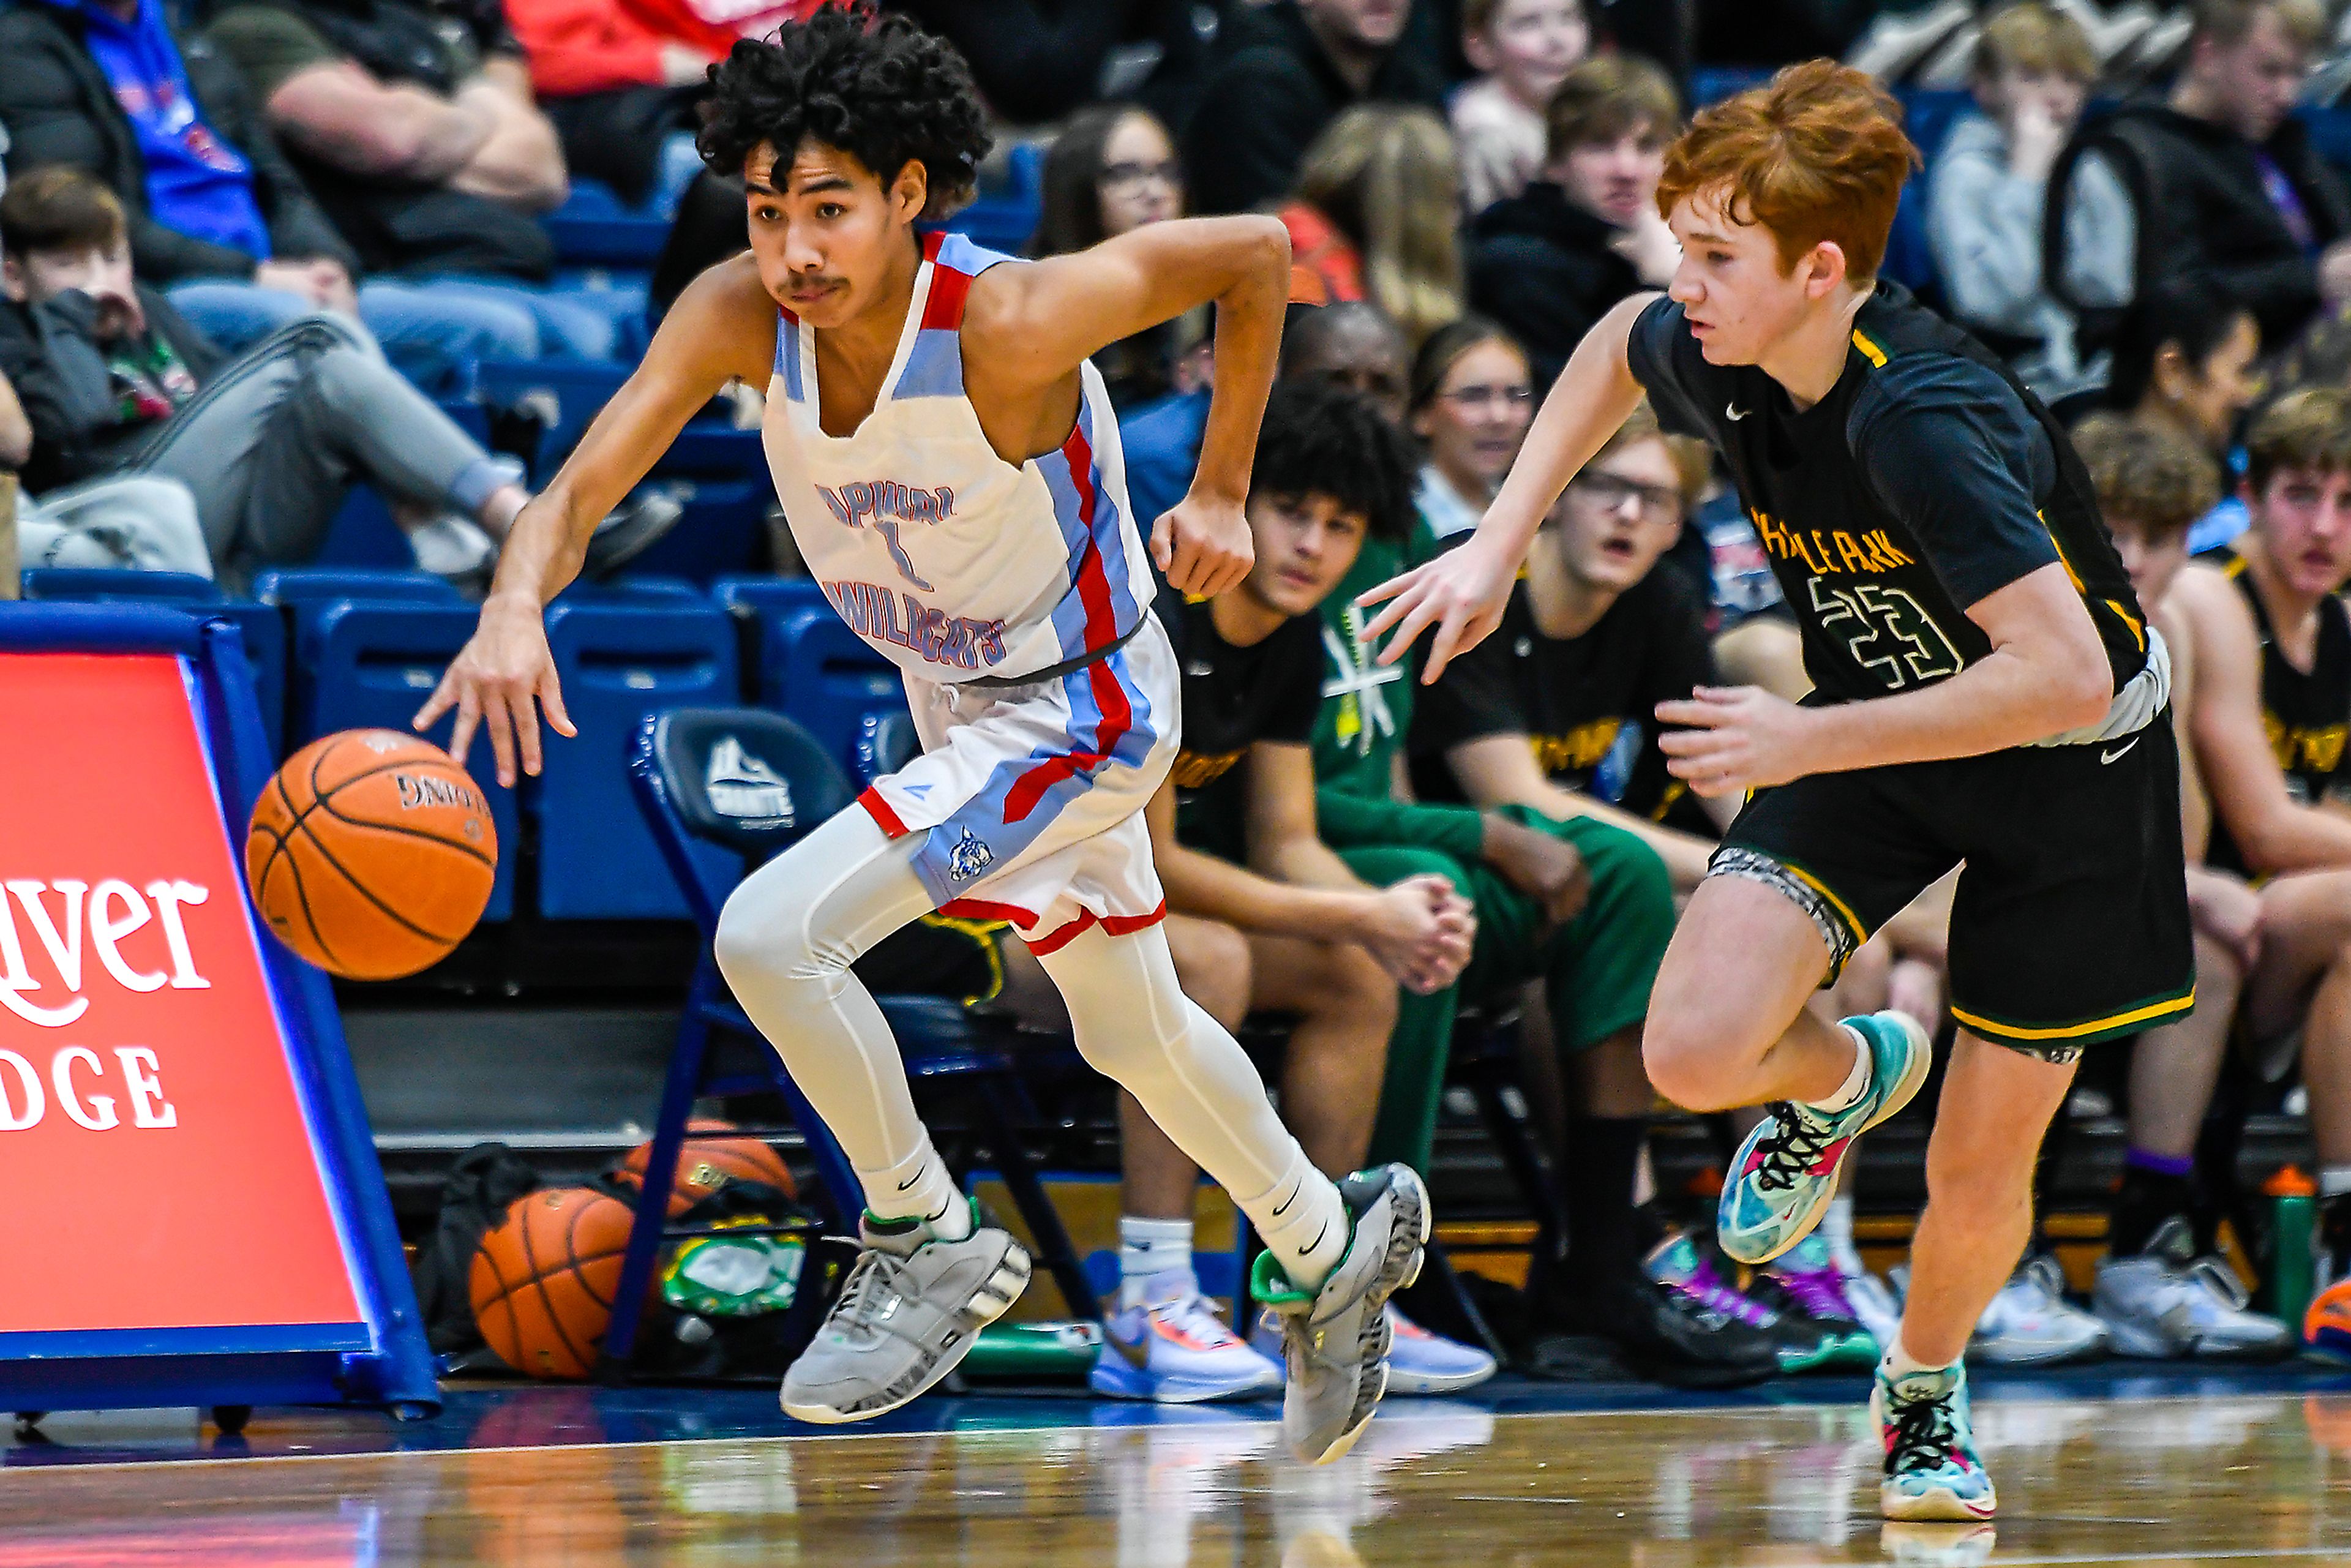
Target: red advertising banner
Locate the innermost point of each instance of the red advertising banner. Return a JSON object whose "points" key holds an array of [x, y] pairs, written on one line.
{"points": [[158, 1168]]}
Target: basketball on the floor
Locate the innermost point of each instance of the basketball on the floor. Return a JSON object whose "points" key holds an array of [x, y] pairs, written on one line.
{"points": [[544, 1277], [705, 1165], [371, 853]]}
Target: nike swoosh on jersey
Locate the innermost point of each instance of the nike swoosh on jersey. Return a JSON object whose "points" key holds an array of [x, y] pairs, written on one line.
{"points": [[2116, 755], [1733, 412]]}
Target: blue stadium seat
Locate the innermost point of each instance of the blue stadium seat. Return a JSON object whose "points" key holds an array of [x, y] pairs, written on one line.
{"points": [[118, 583], [824, 674], [619, 662], [721, 476], [370, 664], [576, 390], [296, 587], [264, 628], [469, 416], [593, 228], [634, 588], [755, 599], [672, 757], [1004, 218], [363, 535]]}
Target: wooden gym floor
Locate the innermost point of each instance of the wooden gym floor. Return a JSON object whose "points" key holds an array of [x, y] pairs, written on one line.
{"points": [[2105, 1466]]}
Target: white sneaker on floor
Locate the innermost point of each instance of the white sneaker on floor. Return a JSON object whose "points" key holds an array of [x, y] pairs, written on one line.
{"points": [[2166, 1304], [1421, 1363], [1174, 1349], [2030, 1323], [1873, 1301]]}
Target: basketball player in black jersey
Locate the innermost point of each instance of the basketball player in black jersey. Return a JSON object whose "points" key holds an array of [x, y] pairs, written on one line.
{"points": [[1985, 690], [2272, 650]]}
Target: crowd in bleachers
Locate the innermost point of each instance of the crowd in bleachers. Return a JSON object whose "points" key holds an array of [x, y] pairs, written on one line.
{"points": [[295, 286]]}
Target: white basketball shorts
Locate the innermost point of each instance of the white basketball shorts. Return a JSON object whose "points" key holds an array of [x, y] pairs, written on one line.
{"points": [[1031, 798]]}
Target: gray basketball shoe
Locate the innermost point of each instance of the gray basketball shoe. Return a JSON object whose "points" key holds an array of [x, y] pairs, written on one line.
{"points": [[1334, 1342], [908, 1315]]}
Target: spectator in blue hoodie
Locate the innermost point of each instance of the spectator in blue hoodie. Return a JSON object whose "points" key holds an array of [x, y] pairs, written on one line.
{"points": [[218, 218]]}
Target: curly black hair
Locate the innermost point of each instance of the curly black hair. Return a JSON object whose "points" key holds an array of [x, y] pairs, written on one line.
{"points": [[1324, 440], [874, 86]]}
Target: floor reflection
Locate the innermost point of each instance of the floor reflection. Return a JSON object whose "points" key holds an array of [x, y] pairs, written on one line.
{"points": [[2230, 1478]]}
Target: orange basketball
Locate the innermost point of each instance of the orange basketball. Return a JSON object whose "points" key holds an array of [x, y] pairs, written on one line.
{"points": [[705, 1165], [371, 853], [544, 1277]]}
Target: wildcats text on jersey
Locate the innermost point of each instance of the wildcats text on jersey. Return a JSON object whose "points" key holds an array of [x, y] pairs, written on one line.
{"points": [[888, 615]]}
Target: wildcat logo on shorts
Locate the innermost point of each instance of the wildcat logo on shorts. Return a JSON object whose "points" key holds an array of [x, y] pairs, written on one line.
{"points": [[969, 857]]}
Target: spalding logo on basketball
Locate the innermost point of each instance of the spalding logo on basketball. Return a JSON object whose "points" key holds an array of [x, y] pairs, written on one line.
{"points": [[371, 853]]}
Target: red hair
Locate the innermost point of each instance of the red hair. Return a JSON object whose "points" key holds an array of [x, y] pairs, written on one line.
{"points": [[1817, 154]]}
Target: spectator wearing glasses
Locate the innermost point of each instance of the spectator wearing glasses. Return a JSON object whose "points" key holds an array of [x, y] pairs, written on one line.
{"points": [[1555, 711], [1112, 171], [1549, 262], [1472, 400]]}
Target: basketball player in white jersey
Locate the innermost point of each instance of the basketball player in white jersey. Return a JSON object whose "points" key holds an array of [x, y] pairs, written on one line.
{"points": [[951, 470]]}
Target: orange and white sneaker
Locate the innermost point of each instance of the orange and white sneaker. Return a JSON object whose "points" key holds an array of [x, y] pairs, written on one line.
{"points": [[1175, 1349]]}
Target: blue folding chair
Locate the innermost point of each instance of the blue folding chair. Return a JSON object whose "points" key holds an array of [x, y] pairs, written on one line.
{"points": [[567, 393], [633, 588], [885, 743], [670, 766], [301, 585], [363, 534], [618, 662], [593, 228], [368, 665], [720, 475], [303, 594], [100, 584], [824, 676], [757, 598], [261, 627]]}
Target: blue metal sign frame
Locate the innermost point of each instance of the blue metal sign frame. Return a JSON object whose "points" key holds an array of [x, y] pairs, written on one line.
{"points": [[380, 1360]]}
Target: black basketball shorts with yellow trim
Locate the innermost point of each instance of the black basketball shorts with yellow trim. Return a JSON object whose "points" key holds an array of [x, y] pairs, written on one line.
{"points": [[2070, 925]]}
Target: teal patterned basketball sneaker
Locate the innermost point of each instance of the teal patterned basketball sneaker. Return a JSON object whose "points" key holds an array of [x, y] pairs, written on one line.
{"points": [[1787, 1168], [1932, 1473]]}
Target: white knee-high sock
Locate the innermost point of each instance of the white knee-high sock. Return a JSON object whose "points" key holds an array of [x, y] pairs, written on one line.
{"points": [[785, 943], [1133, 1023]]}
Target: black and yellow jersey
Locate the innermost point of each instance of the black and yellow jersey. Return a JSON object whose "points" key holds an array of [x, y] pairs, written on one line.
{"points": [[2306, 714], [1926, 480]]}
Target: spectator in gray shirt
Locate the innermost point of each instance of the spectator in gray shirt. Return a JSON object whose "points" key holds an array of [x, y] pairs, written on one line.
{"points": [[1987, 190]]}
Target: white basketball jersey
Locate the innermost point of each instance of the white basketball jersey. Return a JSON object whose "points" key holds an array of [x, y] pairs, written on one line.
{"points": [[950, 561]]}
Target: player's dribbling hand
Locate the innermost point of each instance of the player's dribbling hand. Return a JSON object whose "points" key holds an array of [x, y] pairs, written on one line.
{"points": [[497, 682], [1420, 931], [1203, 547], [1734, 739], [1462, 594]]}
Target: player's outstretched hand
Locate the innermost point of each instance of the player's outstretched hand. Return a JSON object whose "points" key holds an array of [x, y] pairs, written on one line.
{"points": [[1462, 594], [498, 681], [1203, 547], [1734, 739]]}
